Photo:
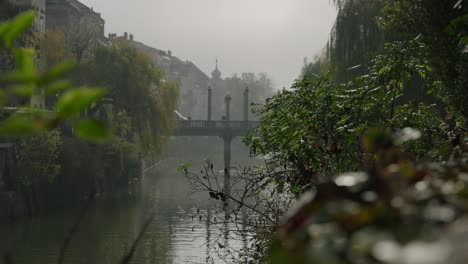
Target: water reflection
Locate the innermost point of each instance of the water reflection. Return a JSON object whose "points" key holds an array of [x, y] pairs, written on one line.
{"points": [[180, 232]]}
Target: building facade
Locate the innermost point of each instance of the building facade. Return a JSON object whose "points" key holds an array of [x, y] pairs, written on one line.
{"points": [[39, 6], [193, 82], [67, 14], [83, 28]]}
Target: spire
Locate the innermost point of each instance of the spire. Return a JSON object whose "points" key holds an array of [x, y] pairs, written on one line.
{"points": [[216, 74]]}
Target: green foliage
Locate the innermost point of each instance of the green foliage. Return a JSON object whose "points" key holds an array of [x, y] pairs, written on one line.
{"points": [[458, 27], [92, 129], [445, 42], [11, 30], [121, 124], [142, 102], [315, 129], [25, 80], [75, 101], [354, 38], [57, 71], [18, 126], [442, 27], [184, 167], [404, 87], [413, 89], [37, 157], [300, 127], [363, 27]]}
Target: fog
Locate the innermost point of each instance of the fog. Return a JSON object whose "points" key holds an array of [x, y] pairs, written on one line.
{"points": [[271, 36]]}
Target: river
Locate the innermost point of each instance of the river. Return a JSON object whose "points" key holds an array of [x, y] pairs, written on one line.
{"points": [[179, 232]]}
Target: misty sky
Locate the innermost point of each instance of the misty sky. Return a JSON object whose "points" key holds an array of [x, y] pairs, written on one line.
{"points": [[271, 36]]}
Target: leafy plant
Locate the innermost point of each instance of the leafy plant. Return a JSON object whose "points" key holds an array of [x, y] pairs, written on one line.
{"points": [[315, 129], [26, 81], [442, 27]]}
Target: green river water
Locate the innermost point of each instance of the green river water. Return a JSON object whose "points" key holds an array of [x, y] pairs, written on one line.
{"points": [[176, 235]]}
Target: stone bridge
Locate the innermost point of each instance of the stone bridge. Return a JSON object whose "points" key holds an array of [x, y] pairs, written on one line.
{"points": [[225, 129], [214, 128]]}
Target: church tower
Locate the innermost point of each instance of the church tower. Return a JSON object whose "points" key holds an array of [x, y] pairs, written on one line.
{"points": [[216, 74], [218, 92]]}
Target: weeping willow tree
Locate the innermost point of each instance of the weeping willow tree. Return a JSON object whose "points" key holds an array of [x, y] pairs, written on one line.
{"points": [[362, 28], [355, 36]]}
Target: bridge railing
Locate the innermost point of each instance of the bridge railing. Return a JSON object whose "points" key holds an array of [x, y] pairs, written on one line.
{"points": [[193, 124]]}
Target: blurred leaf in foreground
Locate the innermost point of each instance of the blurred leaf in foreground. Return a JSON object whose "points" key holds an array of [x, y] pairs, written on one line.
{"points": [[92, 129], [75, 101], [17, 26], [18, 126]]}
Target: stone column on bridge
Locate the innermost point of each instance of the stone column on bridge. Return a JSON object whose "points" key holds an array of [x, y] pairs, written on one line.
{"points": [[246, 105], [227, 100], [210, 99]]}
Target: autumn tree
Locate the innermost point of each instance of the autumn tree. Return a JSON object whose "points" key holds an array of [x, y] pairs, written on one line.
{"points": [[134, 82], [54, 49]]}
